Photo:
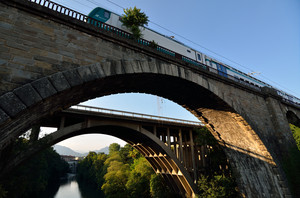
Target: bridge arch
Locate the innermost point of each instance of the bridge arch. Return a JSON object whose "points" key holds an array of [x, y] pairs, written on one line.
{"points": [[204, 97], [293, 118], [160, 156]]}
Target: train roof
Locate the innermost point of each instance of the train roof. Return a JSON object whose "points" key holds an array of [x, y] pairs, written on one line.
{"points": [[214, 59]]}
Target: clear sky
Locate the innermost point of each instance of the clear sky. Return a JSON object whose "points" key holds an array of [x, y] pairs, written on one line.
{"points": [[258, 36]]}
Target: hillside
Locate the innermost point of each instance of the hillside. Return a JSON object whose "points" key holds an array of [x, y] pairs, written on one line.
{"points": [[63, 150]]}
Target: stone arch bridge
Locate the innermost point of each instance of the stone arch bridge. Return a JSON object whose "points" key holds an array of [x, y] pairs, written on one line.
{"points": [[51, 59]]}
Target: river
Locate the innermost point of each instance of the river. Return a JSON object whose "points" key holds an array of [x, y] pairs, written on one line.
{"points": [[70, 188]]}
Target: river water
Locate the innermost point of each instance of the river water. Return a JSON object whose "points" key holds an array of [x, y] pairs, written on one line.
{"points": [[70, 188]]}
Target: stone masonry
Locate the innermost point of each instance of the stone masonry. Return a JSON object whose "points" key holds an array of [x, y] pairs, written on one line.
{"points": [[49, 61]]}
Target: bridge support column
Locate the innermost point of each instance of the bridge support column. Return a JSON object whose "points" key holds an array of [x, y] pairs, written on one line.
{"points": [[168, 135], [282, 132], [193, 156], [180, 146], [34, 135], [62, 123]]}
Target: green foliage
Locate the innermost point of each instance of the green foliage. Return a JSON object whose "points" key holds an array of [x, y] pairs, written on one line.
{"points": [[114, 147], [296, 133], [291, 163], [124, 173], [92, 169], [140, 176], [153, 44], [133, 18], [33, 177], [116, 179], [217, 186], [204, 137], [158, 189], [124, 154], [217, 180]]}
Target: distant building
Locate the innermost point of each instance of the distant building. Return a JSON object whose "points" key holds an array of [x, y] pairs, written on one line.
{"points": [[72, 161], [68, 158]]}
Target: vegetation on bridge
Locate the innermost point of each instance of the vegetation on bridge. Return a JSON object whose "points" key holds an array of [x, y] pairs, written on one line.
{"points": [[133, 18]]}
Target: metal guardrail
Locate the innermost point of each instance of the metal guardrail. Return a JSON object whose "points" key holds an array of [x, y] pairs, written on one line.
{"points": [[84, 18], [134, 115], [106, 27]]}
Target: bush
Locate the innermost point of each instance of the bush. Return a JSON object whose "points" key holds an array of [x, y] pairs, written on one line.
{"points": [[133, 19]]}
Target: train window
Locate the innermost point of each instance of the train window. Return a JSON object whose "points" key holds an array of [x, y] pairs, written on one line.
{"points": [[106, 14], [189, 51], [199, 57]]}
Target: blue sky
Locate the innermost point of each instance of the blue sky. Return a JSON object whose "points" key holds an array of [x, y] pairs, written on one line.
{"points": [[258, 36]]}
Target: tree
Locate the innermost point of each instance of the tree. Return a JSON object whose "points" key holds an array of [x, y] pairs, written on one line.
{"points": [[113, 148], [116, 177], [133, 19], [158, 188], [217, 186], [139, 180], [32, 178]]}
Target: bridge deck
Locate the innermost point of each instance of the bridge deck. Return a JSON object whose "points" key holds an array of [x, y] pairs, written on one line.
{"points": [[82, 111]]}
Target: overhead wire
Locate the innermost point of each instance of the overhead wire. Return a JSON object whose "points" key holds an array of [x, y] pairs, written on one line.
{"points": [[197, 44]]}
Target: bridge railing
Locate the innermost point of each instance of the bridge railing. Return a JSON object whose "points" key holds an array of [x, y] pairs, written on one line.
{"points": [[134, 115], [106, 27]]}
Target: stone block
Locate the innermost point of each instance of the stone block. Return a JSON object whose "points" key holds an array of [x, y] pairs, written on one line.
{"points": [[23, 61], [108, 68], [127, 67], [98, 67], [117, 65], [11, 104], [73, 77], [86, 74], [174, 70], [44, 87], [59, 81], [181, 72], [3, 116], [145, 66], [46, 59], [28, 95], [136, 67], [152, 66], [95, 70]]}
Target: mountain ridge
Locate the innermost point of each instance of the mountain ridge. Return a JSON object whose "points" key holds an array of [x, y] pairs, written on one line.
{"points": [[63, 150]]}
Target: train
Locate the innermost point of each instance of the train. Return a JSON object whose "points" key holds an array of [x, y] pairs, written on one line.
{"points": [[188, 54]]}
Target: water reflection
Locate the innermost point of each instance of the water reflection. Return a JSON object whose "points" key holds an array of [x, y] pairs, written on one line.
{"points": [[69, 188]]}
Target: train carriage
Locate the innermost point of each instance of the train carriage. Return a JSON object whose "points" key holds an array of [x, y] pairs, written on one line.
{"points": [[182, 51]]}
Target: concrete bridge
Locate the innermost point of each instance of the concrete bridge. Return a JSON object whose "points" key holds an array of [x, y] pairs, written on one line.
{"points": [[51, 59], [167, 143]]}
